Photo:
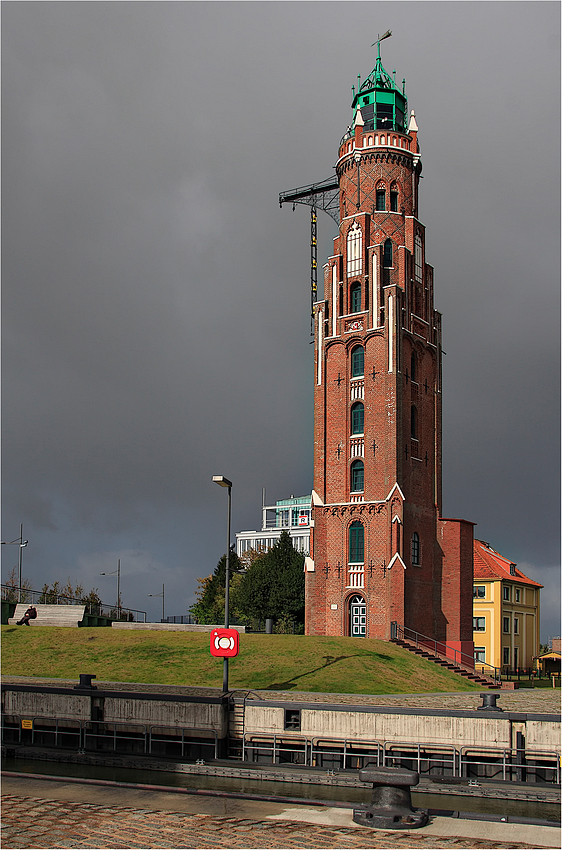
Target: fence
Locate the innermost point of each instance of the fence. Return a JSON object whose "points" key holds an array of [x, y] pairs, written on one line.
{"points": [[37, 597], [100, 736], [429, 760]]}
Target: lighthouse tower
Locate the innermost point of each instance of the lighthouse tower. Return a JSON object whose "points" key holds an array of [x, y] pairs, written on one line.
{"points": [[381, 553]]}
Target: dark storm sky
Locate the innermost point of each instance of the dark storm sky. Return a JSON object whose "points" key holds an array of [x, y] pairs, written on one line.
{"points": [[156, 299]]}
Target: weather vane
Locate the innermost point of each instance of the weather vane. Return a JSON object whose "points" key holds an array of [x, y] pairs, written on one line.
{"points": [[379, 39]]}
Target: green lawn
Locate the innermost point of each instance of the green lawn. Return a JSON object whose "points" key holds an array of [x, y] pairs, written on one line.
{"points": [[274, 662]]}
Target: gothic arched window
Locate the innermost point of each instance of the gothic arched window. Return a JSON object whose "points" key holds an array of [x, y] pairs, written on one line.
{"points": [[357, 418], [357, 476], [356, 554], [357, 361], [393, 197], [354, 249]]}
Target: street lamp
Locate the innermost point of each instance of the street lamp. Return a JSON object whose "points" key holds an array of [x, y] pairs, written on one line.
{"points": [[22, 544], [224, 482], [118, 573], [162, 595]]}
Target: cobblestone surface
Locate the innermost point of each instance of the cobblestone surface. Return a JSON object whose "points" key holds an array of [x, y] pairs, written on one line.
{"points": [[31, 822]]}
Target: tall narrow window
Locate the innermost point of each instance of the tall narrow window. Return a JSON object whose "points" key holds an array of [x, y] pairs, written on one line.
{"points": [[415, 549], [387, 254], [357, 418], [414, 422], [356, 543], [418, 257], [358, 362], [381, 200], [413, 368], [357, 476], [354, 250], [393, 197], [355, 298]]}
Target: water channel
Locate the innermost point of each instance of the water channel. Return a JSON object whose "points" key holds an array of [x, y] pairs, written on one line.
{"points": [[495, 807]]}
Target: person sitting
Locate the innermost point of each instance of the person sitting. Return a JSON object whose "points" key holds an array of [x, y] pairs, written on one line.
{"points": [[30, 614]]}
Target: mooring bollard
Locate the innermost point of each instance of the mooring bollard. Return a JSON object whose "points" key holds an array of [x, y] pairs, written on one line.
{"points": [[489, 702], [391, 801], [85, 682]]}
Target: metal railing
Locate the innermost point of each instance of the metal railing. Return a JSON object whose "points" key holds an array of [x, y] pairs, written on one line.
{"points": [[444, 651], [38, 597], [103, 736]]}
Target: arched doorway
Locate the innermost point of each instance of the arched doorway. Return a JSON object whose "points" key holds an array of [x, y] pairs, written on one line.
{"points": [[357, 616]]}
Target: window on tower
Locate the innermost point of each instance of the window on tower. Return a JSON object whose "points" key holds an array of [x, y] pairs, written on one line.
{"points": [[357, 418], [414, 422], [415, 549], [358, 362], [356, 543], [357, 476], [381, 200], [418, 257], [413, 368], [387, 254], [394, 197], [354, 250], [355, 297]]}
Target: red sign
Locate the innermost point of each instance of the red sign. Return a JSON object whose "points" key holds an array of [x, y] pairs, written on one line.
{"points": [[303, 519], [225, 643]]}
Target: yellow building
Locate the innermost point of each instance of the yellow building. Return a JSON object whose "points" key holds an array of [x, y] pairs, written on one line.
{"points": [[506, 612]]}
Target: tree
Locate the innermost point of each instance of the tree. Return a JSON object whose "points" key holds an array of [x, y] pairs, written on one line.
{"points": [[209, 607], [10, 591], [273, 586]]}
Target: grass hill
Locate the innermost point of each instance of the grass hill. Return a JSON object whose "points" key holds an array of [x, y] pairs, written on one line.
{"points": [[266, 662]]}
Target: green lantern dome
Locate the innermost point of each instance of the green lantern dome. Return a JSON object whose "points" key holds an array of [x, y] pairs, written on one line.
{"points": [[383, 106]]}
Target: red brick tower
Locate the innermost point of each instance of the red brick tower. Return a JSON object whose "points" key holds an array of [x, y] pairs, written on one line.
{"points": [[379, 551]]}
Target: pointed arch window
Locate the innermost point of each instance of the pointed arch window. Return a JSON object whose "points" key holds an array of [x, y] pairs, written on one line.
{"points": [[357, 476], [415, 549], [381, 200], [387, 254], [357, 362], [354, 249], [357, 418], [356, 554], [355, 297]]}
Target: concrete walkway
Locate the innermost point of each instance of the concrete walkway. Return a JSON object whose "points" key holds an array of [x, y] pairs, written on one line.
{"points": [[42, 813]]}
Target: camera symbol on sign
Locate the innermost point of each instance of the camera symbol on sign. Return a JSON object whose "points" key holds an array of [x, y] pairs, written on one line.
{"points": [[225, 643]]}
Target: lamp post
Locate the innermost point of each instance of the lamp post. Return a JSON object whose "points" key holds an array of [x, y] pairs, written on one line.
{"points": [[118, 573], [22, 544], [162, 595], [224, 482]]}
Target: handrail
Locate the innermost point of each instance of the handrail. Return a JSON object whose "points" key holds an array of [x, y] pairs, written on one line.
{"points": [[444, 651], [95, 609]]}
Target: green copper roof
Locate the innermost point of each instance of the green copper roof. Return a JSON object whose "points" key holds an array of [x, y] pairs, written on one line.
{"points": [[383, 105]]}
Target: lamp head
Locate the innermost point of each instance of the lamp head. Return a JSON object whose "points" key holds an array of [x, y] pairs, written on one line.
{"points": [[222, 481]]}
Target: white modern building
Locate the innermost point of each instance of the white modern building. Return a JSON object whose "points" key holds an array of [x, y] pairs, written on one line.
{"points": [[291, 515]]}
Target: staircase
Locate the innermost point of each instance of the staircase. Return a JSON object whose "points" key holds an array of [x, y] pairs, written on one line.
{"points": [[437, 653]]}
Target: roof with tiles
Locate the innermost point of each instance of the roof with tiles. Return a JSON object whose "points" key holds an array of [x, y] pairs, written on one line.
{"points": [[492, 566]]}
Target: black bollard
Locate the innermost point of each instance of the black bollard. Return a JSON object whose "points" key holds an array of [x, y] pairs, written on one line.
{"points": [[85, 682], [391, 801], [489, 702]]}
